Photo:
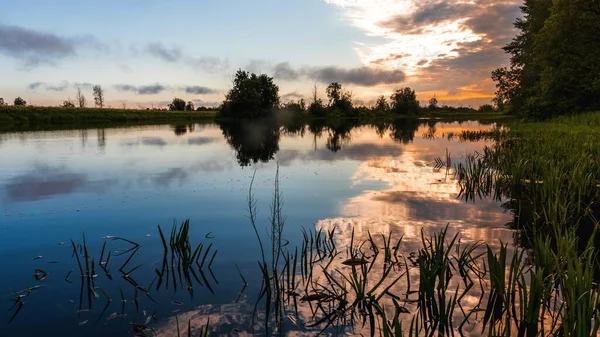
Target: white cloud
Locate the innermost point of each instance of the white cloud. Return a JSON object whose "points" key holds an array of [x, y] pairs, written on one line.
{"points": [[404, 49]]}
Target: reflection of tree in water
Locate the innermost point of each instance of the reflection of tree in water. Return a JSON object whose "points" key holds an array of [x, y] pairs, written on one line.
{"points": [[256, 141], [403, 130], [181, 129], [253, 141], [339, 133]]}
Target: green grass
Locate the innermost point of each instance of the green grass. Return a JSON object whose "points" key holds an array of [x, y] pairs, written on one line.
{"points": [[14, 116], [551, 168]]}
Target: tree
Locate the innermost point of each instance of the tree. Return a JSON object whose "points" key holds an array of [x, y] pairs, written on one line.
{"points": [[316, 107], [554, 67], [486, 108], [80, 98], [433, 103], [20, 102], [68, 104], [382, 104], [177, 105], [404, 102], [251, 96], [334, 93], [2, 103], [98, 96], [339, 100], [189, 106]]}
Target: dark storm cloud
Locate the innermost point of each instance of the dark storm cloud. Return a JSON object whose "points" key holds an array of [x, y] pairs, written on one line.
{"points": [[125, 87], [198, 90], [63, 86], [34, 48], [491, 19], [83, 85], [176, 55], [151, 89], [285, 72], [35, 85], [361, 76]]}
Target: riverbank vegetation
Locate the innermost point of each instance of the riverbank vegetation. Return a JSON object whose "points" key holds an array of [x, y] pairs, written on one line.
{"points": [[22, 116], [554, 66], [255, 96]]}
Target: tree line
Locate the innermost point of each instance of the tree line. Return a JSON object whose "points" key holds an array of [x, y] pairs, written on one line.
{"points": [[255, 96], [80, 99], [554, 63]]}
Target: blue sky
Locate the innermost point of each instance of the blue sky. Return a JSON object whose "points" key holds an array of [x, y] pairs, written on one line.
{"points": [[147, 52]]}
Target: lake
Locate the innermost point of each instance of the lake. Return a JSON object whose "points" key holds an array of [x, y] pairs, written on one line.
{"points": [[121, 183]]}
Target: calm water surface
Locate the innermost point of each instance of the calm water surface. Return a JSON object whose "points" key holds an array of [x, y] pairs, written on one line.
{"points": [[123, 182]]}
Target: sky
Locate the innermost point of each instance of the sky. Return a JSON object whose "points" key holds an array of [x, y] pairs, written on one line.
{"points": [[144, 53]]}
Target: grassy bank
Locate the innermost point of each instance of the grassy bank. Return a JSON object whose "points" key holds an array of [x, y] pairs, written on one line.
{"points": [[547, 173], [35, 118], [12, 116]]}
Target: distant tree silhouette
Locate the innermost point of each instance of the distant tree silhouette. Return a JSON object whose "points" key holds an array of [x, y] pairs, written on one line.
{"points": [[316, 107], [189, 106], [2, 103], [20, 102], [252, 96], [177, 105], [80, 98], [404, 102], [68, 104], [339, 100], [486, 108], [382, 104], [98, 96], [433, 103]]}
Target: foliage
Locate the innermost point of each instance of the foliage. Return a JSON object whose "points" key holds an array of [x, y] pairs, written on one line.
{"points": [[189, 106], [404, 102], [252, 96], [2, 103], [20, 102], [34, 117], [382, 104], [297, 107], [339, 100], [486, 108], [68, 104], [178, 104], [433, 103], [554, 68], [98, 96], [80, 98]]}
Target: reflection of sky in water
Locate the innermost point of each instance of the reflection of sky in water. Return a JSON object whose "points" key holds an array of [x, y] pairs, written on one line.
{"points": [[125, 181]]}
